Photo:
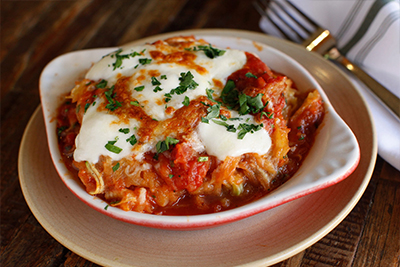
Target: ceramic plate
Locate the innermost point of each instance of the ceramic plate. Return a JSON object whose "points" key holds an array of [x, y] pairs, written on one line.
{"points": [[334, 155], [286, 230]]}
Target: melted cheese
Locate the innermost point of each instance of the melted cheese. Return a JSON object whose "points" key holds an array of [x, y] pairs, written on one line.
{"points": [[167, 65], [97, 129], [221, 143]]}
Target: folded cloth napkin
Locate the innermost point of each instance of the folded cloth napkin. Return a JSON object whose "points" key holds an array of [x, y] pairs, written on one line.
{"points": [[368, 33]]}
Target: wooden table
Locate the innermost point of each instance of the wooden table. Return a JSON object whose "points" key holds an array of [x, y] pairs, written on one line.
{"points": [[35, 32]]}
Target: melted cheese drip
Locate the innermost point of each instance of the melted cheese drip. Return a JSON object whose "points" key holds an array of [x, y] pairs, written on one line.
{"points": [[100, 127]]}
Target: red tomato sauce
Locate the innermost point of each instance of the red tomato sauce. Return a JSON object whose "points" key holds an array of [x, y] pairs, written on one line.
{"points": [[180, 169]]}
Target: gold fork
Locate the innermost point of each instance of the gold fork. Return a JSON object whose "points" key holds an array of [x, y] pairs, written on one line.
{"points": [[317, 39]]}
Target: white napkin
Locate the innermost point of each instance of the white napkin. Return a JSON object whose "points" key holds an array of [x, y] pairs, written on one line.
{"points": [[369, 31]]}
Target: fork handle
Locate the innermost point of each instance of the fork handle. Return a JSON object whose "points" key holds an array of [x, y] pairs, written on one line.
{"points": [[387, 97]]}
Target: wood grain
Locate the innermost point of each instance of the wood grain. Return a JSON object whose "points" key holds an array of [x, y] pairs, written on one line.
{"points": [[35, 32]]}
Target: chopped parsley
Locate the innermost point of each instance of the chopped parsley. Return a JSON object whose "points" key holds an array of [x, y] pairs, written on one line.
{"points": [[139, 88], [144, 61], [208, 50], [124, 130], [185, 82], [119, 57], [209, 93], [269, 115], [157, 89], [250, 104], [235, 119], [163, 77], [135, 103], [202, 159], [245, 128], [87, 105], [115, 167], [132, 140], [251, 75], [101, 84], [168, 97], [222, 117], [229, 96], [154, 81], [229, 127], [112, 148], [112, 103], [162, 146], [244, 103], [212, 112], [186, 101]]}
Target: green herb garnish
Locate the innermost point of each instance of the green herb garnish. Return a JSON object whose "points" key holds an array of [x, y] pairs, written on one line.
{"points": [[154, 81], [112, 148], [269, 115], [101, 84], [210, 51], [135, 103], [139, 88], [185, 82], [209, 93], [119, 57], [132, 140], [112, 103], [251, 75], [115, 167], [202, 159], [162, 146], [243, 103], [87, 105], [157, 89], [186, 101], [144, 61], [229, 127], [212, 112], [245, 128], [124, 130], [229, 95]]}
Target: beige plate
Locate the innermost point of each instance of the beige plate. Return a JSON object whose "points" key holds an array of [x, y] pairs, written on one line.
{"points": [[260, 240]]}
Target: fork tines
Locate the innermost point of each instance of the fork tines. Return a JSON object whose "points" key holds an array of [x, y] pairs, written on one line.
{"points": [[286, 18]]}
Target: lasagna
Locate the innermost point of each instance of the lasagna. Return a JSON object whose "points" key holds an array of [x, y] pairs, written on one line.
{"points": [[180, 127]]}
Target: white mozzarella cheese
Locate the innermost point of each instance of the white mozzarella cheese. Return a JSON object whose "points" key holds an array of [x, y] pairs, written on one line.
{"points": [[97, 130], [100, 127], [221, 143]]}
